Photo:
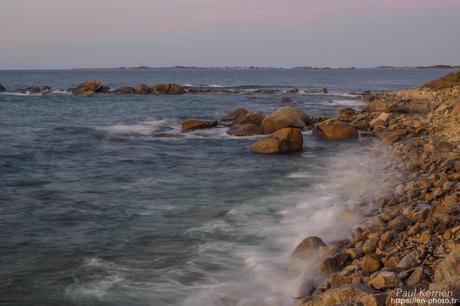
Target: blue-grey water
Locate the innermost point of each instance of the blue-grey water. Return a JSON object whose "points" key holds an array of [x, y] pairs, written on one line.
{"points": [[104, 202]]}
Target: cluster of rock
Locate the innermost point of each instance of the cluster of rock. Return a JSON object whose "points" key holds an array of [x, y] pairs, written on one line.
{"points": [[411, 238], [283, 128], [92, 87]]}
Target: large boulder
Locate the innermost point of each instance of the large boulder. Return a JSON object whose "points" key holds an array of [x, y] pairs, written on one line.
{"points": [[248, 129], [283, 118], [250, 117], [87, 88], [142, 89], [237, 113], [197, 124], [335, 130], [282, 141], [348, 295], [309, 247], [2, 88], [124, 90], [168, 89], [447, 271]]}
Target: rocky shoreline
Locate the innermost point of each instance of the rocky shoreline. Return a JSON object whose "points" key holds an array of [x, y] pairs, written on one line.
{"points": [[407, 249]]}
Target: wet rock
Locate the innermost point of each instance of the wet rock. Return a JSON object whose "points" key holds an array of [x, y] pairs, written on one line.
{"points": [[357, 294], [196, 124], [250, 117], [333, 263], [309, 247], [237, 113], [323, 90], [30, 90], [370, 263], [282, 141], [124, 90], [293, 91], [87, 88], [103, 89], [283, 118], [335, 130], [247, 129], [168, 89], [265, 91], [370, 245], [2, 88], [142, 89]]}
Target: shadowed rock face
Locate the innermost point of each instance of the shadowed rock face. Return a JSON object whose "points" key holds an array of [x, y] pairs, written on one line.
{"points": [[283, 141], [237, 113], [197, 124], [248, 129]]}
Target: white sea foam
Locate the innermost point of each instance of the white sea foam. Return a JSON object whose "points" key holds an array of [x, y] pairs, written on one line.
{"points": [[346, 102], [282, 221], [145, 128]]}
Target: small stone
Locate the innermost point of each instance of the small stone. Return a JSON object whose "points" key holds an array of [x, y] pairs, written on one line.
{"points": [[370, 263]]}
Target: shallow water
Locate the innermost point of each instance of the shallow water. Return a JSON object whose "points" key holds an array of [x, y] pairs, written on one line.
{"points": [[104, 202]]}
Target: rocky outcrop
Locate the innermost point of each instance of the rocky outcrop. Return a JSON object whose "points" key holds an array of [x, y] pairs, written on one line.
{"points": [[335, 130], [168, 89], [283, 118], [411, 236], [282, 141], [87, 88], [197, 124], [449, 81], [142, 89]]}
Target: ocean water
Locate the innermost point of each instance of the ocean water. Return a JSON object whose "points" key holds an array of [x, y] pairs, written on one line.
{"points": [[104, 202]]}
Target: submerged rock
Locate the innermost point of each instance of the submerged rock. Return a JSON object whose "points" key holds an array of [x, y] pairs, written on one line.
{"points": [[87, 88], [283, 141], [335, 130], [283, 118], [286, 99], [197, 124]]}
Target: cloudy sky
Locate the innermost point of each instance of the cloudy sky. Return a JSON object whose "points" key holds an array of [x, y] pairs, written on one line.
{"points": [[280, 33]]}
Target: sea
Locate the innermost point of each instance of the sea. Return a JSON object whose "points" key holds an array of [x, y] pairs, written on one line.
{"points": [[103, 201]]}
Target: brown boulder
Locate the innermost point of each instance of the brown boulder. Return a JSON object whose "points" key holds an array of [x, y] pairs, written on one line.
{"points": [[335, 130], [250, 117], [283, 141], [87, 88], [197, 124], [356, 294], [384, 280], [309, 247], [168, 89], [283, 118], [248, 129], [142, 89], [370, 263], [124, 90], [237, 113]]}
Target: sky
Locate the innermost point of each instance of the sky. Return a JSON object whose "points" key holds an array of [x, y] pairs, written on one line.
{"points": [[274, 33]]}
